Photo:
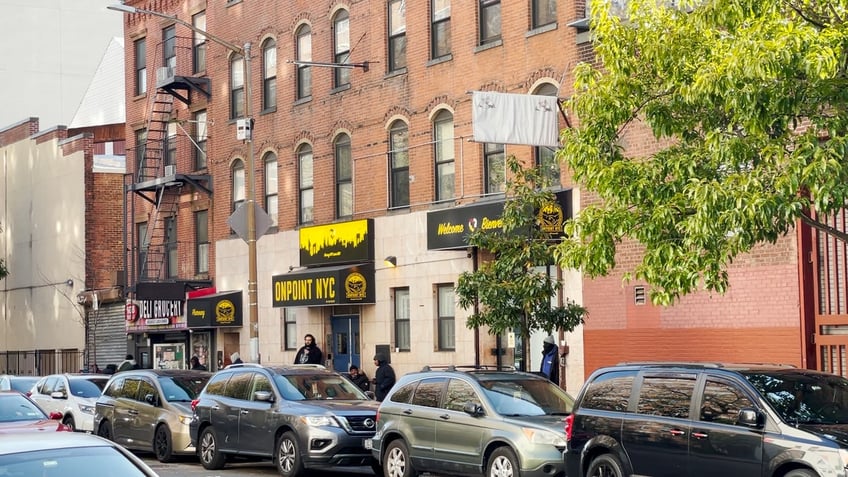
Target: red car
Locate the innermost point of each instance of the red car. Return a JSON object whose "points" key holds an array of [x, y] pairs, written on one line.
{"points": [[19, 413]]}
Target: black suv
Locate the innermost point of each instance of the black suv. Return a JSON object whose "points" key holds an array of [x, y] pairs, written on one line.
{"points": [[302, 416], [703, 419]]}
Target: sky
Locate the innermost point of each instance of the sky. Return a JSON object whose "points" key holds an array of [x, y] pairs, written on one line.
{"points": [[49, 52]]}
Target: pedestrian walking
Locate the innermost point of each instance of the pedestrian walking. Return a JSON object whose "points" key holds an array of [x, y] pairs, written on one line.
{"points": [[384, 377]]}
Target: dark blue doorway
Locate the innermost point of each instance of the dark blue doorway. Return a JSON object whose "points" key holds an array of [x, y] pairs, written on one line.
{"points": [[345, 329]]}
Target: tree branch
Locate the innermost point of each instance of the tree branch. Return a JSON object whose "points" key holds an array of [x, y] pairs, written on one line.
{"points": [[824, 227]]}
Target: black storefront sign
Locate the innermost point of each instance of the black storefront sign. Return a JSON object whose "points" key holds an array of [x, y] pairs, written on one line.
{"points": [[338, 243], [449, 228], [219, 310], [341, 285]]}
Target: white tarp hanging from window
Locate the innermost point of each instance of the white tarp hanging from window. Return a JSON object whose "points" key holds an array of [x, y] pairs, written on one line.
{"points": [[506, 118]]}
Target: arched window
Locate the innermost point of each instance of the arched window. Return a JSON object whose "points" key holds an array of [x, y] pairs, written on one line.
{"points": [[238, 183], [271, 191], [236, 87], [443, 151], [399, 164], [341, 48], [304, 53], [269, 74], [344, 177], [305, 183], [545, 157]]}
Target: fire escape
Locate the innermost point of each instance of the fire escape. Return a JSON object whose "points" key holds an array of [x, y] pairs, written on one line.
{"points": [[164, 166]]}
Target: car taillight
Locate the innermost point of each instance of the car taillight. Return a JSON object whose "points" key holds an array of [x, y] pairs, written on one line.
{"points": [[377, 418], [194, 404], [569, 426]]}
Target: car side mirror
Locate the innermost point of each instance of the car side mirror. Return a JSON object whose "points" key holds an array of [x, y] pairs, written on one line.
{"points": [[59, 395], [473, 409], [151, 399], [750, 417], [264, 396]]}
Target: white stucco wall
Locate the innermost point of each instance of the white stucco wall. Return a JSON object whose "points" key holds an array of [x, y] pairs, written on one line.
{"points": [[43, 243]]}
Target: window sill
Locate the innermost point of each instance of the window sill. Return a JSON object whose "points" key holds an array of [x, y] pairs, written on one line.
{"points": [[230, 3], [488, 46], [441, 59], [139, 96], [398, 72], [302, 101], [541, 29], [339, 89], [268, 111]]}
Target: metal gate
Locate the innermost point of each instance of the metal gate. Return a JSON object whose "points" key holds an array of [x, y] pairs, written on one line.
{"points": [[830, 290]]}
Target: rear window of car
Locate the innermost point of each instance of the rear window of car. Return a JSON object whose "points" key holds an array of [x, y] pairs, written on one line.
{"points": [[182, 388], [609, 391], [87, 387]]}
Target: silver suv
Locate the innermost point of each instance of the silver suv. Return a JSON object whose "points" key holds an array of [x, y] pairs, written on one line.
{"points": [[454, 422], [301, 416]]}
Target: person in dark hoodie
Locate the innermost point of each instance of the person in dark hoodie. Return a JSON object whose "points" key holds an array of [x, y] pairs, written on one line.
{"points": [[384, 377], [309, 353], [550, 360]]}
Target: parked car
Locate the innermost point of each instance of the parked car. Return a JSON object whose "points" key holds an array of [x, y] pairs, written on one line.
{"points": [[21, 384], [150, 410], [472, 422], [71, 394], [301, 416], [65, 454], [702, 419], [19, 413]]}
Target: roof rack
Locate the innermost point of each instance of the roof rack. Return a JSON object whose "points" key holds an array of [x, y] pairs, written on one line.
{"points": [[700, 364], [243, 365], [469, 367]]}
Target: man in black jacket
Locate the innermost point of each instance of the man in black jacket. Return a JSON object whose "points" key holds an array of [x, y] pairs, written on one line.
{"points": [[359, 378], [384, 378], [309, 353]]}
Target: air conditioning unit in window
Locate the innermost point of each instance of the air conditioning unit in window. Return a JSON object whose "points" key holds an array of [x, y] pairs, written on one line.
{"points": [[165, 75], [170, 170]]}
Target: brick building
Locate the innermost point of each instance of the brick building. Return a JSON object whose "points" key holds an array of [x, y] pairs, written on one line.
{"points": [[361, 143]]}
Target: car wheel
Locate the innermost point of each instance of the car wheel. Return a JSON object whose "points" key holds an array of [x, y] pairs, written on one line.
{"points": [[605, 465], [162, 444], [69, 421], [287, 457], [800, 473], [207, 450], [396, 462], [105, 430], [503, 463]]}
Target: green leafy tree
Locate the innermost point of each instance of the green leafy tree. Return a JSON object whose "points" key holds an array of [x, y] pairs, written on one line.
{"points": [[512, 294], [748, 103]]}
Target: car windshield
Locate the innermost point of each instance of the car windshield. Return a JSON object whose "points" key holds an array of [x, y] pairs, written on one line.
{"points": [[527, 397], [87, 388], [299, 387], [15, 407], [72, 462], [801, 397], [182, 388]]}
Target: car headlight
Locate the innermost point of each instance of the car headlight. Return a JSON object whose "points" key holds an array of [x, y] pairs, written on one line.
{"points": [[87, 409], [185, 420], [539, 436], [320, 421]]}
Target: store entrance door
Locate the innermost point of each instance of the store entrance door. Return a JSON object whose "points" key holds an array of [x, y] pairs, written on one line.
{"points": [[345, 329]]}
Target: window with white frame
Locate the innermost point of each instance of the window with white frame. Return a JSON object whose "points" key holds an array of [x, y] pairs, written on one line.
{"points": [[545, 157], [544, 12], [269, 74], [399, 164], [140, 48], [444, 155], [271, 192], [490, 21], [447, 317], [305, 183], [200, 137], [344, 177], [169, 48], [341, 48], [440, 28], [494, 168], [237, 87], [397, 34], [304, 53], [171, 144], [198, 50], [238, 184], [201, 241], [402, 319]]}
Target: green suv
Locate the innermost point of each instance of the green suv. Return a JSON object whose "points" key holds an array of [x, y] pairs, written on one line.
{"points": [[472, 422], [301, 416]]}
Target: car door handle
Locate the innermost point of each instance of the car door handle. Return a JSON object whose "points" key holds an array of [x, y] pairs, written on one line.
{"points": [[244, 411], [407, 411], [444, 417], [132, 413], [215, 408], [676, 432], [700, 435]]}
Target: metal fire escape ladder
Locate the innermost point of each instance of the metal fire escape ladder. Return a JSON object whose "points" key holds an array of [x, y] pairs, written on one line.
{"points": [[156, 243]]}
